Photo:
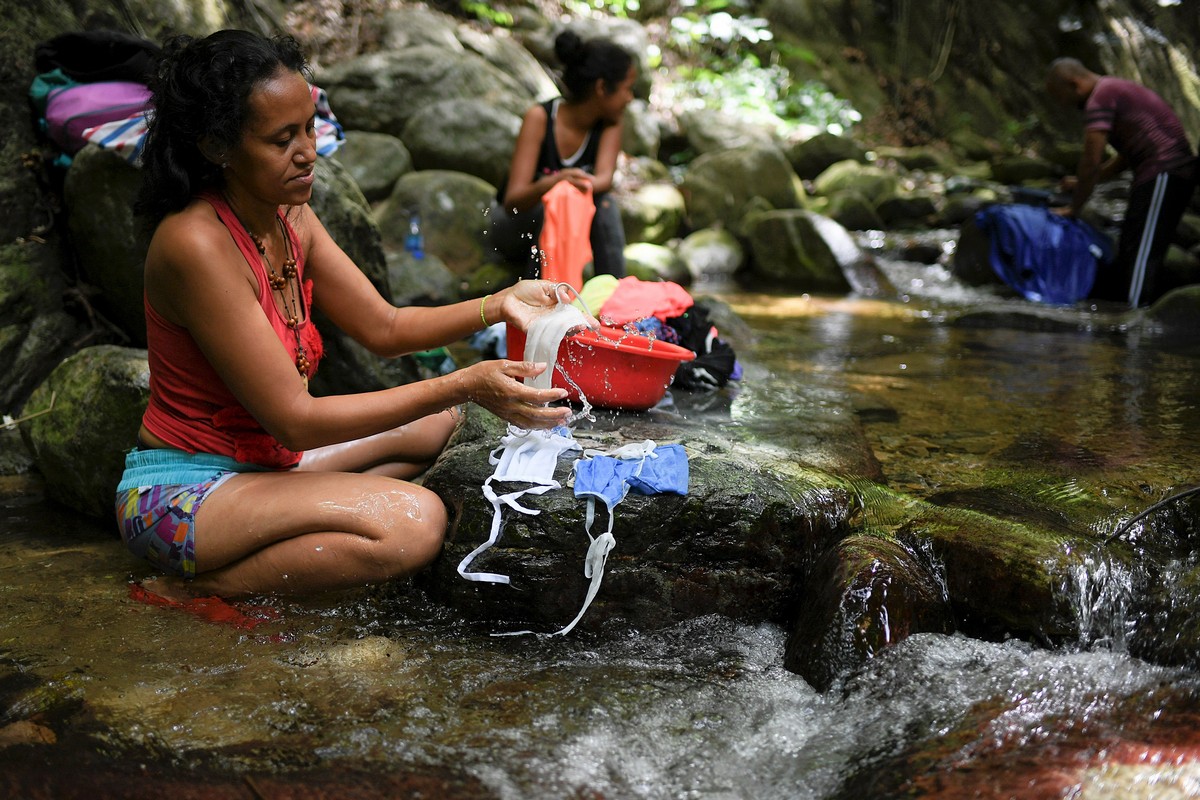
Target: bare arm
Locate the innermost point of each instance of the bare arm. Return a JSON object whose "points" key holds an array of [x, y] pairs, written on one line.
{"points": [[606, 157], [1092, 169]]}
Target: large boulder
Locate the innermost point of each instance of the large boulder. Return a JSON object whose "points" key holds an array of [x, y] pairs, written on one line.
{"points": [[375, 161], [652, 212], [656, 262], [708, 130], [641, 133], [871, 182], [453, 209], [712, 255], [790, 251], [421, 281], [382, 91], [722, 187], [465, 135], [500, 49], [109, 241], [734, 545], [96, 399], [35, 331], [346, 214], [814, 155]]}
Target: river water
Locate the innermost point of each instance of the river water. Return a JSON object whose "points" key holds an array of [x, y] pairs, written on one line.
{"points": [[376, 688]]}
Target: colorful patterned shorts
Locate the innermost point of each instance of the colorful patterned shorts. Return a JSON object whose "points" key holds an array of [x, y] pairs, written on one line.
{"points": [[157, 501]]}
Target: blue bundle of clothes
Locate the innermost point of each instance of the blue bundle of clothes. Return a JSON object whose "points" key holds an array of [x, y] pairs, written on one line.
{"points": [[1045, 256]]}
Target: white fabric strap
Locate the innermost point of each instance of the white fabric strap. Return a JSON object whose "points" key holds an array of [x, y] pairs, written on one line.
{"points": [[509, 499]]}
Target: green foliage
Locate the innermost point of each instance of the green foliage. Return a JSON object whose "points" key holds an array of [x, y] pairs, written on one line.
{"points": [[483, 11], [765, 95], [611, 8], [720, 29], [729, 61]]}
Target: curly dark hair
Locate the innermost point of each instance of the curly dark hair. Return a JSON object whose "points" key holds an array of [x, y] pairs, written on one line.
{"points": [[585, 62], [201, 90]]}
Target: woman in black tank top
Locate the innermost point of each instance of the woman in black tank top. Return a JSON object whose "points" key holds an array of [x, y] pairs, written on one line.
{"points": [[575, 138]]}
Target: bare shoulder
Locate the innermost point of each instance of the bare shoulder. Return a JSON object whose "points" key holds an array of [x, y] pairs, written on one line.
{"points": [[194, 235], [191, 254], [536, 115]]}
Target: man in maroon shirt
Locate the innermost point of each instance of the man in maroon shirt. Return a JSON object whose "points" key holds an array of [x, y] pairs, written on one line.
{"points": [[1148, 139]]}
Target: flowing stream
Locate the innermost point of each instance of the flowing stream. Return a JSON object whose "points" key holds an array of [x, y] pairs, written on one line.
{"points": [[371, 685]]}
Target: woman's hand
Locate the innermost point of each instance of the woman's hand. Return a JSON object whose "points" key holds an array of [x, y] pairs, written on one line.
{"points": [[497, 386], [580, 179], [527, 300]]}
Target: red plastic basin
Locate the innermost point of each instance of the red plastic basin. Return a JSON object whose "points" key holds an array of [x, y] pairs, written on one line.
{"points": [[612, 368]]}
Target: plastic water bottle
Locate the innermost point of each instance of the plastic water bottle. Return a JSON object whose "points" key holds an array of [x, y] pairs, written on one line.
{"points": [[414, 243]]}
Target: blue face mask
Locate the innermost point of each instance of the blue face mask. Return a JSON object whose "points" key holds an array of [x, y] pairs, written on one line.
{"points": [[643, 468], [654, 470]]}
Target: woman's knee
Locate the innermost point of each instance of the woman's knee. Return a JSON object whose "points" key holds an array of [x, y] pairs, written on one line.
{"points": [[416, 533]]}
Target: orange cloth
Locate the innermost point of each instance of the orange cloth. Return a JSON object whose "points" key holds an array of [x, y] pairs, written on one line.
{"points": [[566, 240]]}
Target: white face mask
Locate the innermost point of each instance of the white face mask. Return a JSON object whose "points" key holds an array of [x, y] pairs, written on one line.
{"points": [[523, 457], [530, 456]]}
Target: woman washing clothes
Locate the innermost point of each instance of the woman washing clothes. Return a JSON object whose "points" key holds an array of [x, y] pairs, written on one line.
{"points": [[243, 482], [574, 139]]}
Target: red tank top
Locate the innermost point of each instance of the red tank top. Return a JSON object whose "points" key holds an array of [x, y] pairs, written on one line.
{"points": [[190, 407]]}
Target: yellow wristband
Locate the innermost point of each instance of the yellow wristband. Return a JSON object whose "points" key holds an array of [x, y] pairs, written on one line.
{"points": [[481, 305]]}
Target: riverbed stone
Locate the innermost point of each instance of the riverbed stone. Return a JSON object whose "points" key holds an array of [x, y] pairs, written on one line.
{"points": [[1019, 169], [96, 398], [734, 545], [1175, 314], [913, 210], [865, 594], [1004, 577]]}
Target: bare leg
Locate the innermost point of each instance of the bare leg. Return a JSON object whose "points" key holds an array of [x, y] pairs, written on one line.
{"points": [[298, 532], [340, 519], [403, 452]]}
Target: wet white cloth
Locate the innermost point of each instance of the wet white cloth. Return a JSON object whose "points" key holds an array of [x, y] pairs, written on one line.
{"points": [[523, 457], [544, 337]]}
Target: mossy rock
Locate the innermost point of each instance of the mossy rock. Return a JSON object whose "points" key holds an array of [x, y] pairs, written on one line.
{"points": [[95, 399]]}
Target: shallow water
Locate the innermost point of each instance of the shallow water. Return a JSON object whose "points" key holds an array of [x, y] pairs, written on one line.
{"points": [[381, 681]]}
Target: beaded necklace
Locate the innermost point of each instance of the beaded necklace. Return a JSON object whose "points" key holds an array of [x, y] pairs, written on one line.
{"points": [[286, 284]]}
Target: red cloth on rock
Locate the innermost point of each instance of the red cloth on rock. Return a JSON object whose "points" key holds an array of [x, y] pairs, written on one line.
{"points": [[636, 299]]}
